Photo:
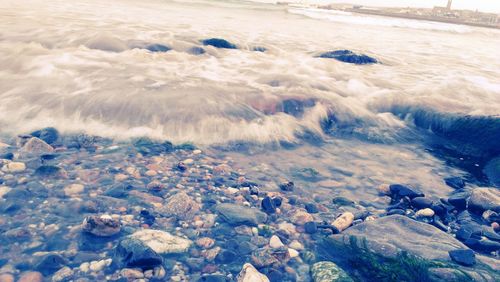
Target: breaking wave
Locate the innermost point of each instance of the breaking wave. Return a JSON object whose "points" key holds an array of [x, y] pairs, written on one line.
{"points": [[84, 68]]}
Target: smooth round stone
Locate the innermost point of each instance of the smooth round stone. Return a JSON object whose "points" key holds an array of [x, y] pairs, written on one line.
{"points": [[31, 276], [311, 208], [421, 202], [425, 213]]}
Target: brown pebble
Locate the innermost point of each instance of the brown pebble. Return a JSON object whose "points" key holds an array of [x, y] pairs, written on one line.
{"points": [[31, 276], [6, 277]]}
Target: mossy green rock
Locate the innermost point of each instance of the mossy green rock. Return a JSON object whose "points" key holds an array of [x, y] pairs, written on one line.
{"points": [[327, 271]]}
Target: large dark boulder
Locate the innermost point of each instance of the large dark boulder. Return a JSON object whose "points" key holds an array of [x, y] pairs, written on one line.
{"points": [[390, 236], [49, 135], [158, 48], [219, 43], [348, 56]]}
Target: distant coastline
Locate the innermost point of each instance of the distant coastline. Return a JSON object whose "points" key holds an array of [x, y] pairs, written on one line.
{"points": [[416, 17]]}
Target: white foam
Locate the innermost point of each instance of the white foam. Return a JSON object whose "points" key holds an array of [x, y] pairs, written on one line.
{"points": [[72, 66]]}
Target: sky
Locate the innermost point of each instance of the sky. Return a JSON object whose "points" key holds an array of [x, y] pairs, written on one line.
{"points": [[481, 5]]}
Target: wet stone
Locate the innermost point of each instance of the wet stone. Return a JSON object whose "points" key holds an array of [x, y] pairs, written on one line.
{"points": [[249, 274], [342, 201], [6, 156], [287, 186], [196, 51], [49, 135], [421, 202], [180, 205], [327, 271], [239, 215], [459, 201], [50, 263], [157, 48], [464, 257], [213, 278], [162, 242], [311, 208], [348, 56], [218, 43], [49, 171], [455, 182], [131, 252], [31, 276], [103, 225], [268, 205], [35, 146], [400, 191], [311, 227], [266, 257], [482, 199], [225, 257]]}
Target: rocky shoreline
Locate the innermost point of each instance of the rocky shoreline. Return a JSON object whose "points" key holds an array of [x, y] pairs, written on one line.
{"points": [[84, 208]]}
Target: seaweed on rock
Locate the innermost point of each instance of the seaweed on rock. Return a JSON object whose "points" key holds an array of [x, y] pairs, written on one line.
{"points": [[366, 265]]}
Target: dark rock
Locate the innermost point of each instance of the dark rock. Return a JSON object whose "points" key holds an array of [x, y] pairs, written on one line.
{"points": [[158, 48], [134, 253], [311, 227], [400, 191], [49, 171], [342, 201], [181, 166], [287, 186], [277, 201], [50, 263], [49, 135], [463, 256], [6, 156], [311, 208], [421, 202], [459, 201], [238, 215], [148, 147], [455, 182], [348, 56], [482, 245], [439, 208], [225, 257], [259, 49], [149, 219], [196, 50], [213, 278], [268, 205], [219, 43]]}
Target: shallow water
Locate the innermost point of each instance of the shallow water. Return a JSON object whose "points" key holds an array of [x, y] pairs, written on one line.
{"points": [[430, 108]]}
